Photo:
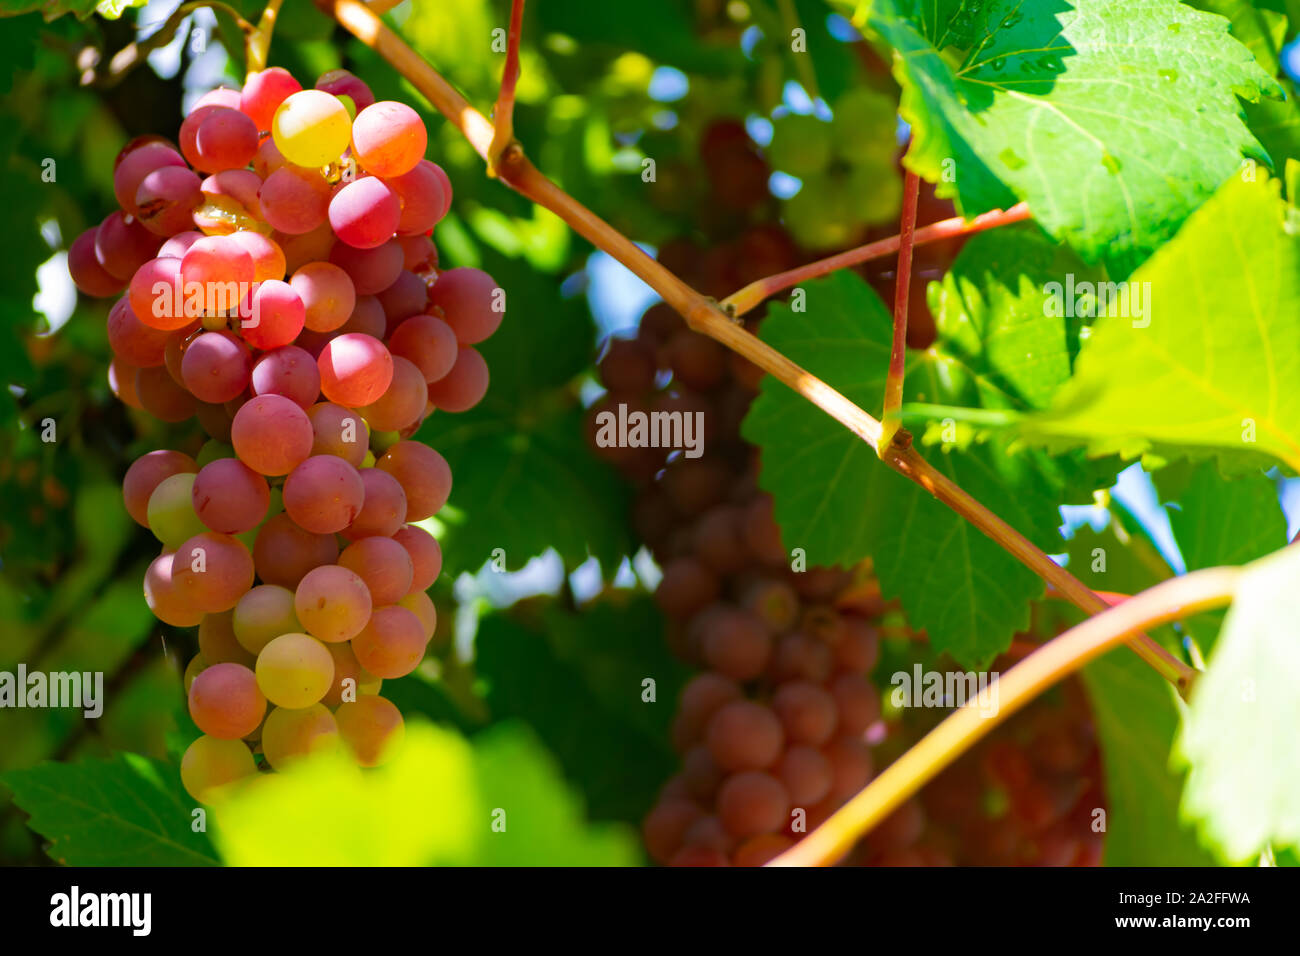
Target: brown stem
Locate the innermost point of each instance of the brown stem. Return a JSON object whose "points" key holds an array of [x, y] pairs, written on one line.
{"points": [[504, 114], [902, 290], [703, 315], [742, 301]]}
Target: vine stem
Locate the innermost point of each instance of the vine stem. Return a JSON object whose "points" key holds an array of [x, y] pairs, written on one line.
{"points": [[1177, 597], [504, 115], [257, 46], [703, 315], [902, 292], [747, 298]]}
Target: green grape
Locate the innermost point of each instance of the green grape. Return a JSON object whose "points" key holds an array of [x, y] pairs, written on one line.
{"points": [[311, 128], [294, 670], [372, 728], [292, 734], [211, 764], [801, 145], [171, 511], [212, 450], [818, 217], [874, 192], [864, 125], [262, 615]]}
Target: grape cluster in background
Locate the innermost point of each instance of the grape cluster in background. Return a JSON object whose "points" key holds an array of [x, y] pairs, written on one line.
{"points": [[784, 722], [322, 336]]}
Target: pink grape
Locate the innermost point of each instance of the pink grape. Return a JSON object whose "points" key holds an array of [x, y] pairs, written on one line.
{"points": [[137, 343], [383, 564], [295, 200], [179, 244], [135, 165], [424, 201], [426, 555], [146, 473], [271, 434], [355, 369], [214, 570], [391, 644], [311, 246], [324, 494], [216, 366], [327, 293], [264, 91], [427, 341], [469, 298], [338, 431], [123, 245], [161, 396], [166, 596], [388, 138], [403, 402], [423, 474], [90, 277], [226, 702], [230, 497], [371, 728], [287, 371], [367, 317], [275, 316], [383, 508], [283, 552], [421, 605], [333, 604], [464, 386], [371, 270], [215, 260], [225, 139], [155, 288], [268, 257], [418, 253], [407, 296], [364, 213], [239, 188], [343, 83], [166, 198]]}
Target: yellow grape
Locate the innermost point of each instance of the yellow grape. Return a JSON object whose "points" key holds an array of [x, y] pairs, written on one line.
{"points": [[210, 764], [311, 128], [289, 734], [294, 670], [372, 728]]}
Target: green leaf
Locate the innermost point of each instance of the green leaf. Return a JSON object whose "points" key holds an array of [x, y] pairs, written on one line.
{"points": [[538, 820], [836, 500], [53, 9], [584, 698], [432, 804], [1074, 108], [525, 482], [1212, 364], [128, 811], [1137, 715], [1216, 520], [421, 808], [1239, 738]]}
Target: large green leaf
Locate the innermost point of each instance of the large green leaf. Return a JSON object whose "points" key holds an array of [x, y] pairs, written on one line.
{"points": [[578, 684], [1239, 739], [433, 803], [538, 819], [1213, 366], [1114, 119], [128, 811], [835, 500], [1137, 716]]}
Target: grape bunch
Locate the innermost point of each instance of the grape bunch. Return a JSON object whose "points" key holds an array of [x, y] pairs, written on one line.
{"points": [[783, 716], [279, 284], [847, 168]]}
